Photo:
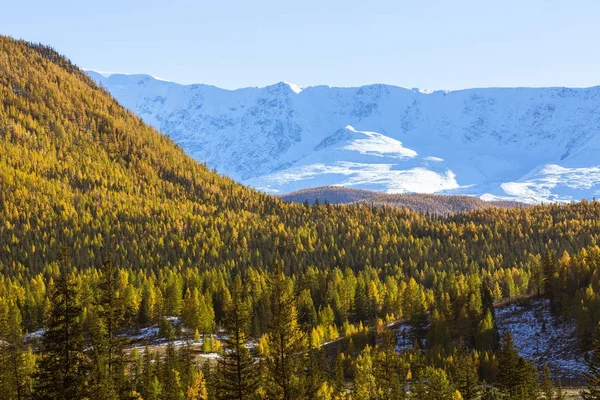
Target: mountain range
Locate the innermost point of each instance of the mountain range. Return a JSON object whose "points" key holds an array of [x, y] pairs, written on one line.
{"points": [[525, 144]]}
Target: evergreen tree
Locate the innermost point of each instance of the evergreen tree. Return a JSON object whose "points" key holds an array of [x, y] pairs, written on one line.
{"points": [[107, 350], [316, 372], [62, 366], [546, 384], [170, 377], [236, 370], [13, 370], [516, 377], [387, 367], [438, 385], [466, 377], [284, 356]]}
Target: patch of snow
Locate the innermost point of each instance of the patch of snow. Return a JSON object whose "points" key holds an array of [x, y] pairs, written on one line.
{"points": [[378, 145], [295, 88], [213, 356], [144, 333], [404, 337], [541, 337], [34, 335]]}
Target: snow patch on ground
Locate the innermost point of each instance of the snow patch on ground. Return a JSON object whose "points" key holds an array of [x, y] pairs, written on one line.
{"points": [[543, 338], [144, 333], [404, 337], [34, 335]]}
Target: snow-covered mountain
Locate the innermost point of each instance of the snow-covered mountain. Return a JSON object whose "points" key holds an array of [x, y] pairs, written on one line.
{"points": [[518, 143]]}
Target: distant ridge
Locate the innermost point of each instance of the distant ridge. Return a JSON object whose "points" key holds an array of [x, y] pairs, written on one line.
{"points": [[422, 203]]}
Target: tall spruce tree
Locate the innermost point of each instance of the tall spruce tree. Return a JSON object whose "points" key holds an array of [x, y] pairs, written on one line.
{"points": [[13, 372], [107, 349], [516, 377], [465, 376], [62, 366], [388, 368], [236, 369], [286, 348]]}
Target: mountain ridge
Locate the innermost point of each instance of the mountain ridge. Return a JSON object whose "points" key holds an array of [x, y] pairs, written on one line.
{"points": [[524, 144], [418, 202], [93, 72]]}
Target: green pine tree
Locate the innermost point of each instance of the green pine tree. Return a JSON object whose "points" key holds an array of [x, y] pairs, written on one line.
{"points": [[62, 367], [465, 376], [284, 357], [13, 369], [236, 370]]}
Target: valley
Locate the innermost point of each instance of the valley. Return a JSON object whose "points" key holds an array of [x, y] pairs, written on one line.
{"points": [[110, 233]]}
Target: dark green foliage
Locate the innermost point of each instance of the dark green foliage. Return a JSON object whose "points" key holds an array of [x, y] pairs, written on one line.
{"points": [[284, 357], [237, 377], [62, 367], [465, 375], [516, 376]]}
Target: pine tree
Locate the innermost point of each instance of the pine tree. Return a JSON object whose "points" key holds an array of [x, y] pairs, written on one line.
{"points": [[316, 372], [338, 373], [549, 268], [13, 371], [170, 377], [546, 384], [387, 367], [236, 370], [107, 350], [466, 377], [508, 361], [286, 342], [516, 377], [62, 367], [438, 385]]}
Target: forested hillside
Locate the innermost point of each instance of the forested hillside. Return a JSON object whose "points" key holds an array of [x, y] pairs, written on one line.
{"points": [[107, 227], [422, 202]]}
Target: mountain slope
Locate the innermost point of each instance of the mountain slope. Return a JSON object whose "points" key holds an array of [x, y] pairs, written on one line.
{"points": [[78, 170], [518, 143]]}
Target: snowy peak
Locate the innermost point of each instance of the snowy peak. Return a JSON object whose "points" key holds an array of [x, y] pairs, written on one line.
{"points": [[295, 88], [501, 143]]}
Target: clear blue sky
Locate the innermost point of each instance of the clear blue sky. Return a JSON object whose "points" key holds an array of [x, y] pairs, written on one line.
{"points": [[430, 44]]}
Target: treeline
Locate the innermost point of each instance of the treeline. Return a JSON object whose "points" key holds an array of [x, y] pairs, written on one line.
{"points": [[84, 353]]}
